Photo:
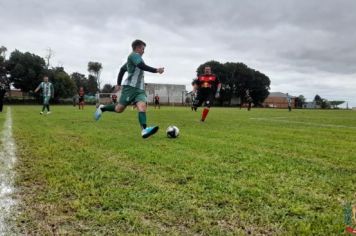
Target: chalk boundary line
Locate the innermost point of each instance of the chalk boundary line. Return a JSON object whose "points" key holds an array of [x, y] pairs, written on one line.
{"points": [[280, 119], [7, 163]]}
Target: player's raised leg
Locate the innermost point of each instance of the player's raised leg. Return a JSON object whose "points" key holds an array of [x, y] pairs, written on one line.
{"points": [[110, 108]]}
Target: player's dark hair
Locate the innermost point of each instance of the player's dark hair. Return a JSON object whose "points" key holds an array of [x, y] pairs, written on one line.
{"points": [[137, 43]]}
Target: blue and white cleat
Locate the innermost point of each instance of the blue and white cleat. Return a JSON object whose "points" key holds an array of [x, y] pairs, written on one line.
{"points": [[149, 131], [98, 113]]}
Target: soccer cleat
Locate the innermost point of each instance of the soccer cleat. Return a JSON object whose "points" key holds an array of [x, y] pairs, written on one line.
{"points": [[41, 113], [98, 112], [149, 131], [48, 112]]}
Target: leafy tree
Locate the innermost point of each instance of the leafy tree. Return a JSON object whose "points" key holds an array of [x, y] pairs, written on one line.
{"points": [[300, 100], [94, 69], [92, 85], [3, 68], [318, 100], [325, 104], [258, 86], [80, 81], [108, 88], [26, 70]]}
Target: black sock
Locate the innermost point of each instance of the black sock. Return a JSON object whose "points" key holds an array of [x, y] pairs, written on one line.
{"points": [[47, 107]]}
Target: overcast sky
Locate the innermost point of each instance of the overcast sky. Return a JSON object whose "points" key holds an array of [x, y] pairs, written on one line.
{"points": [[305, 46]]}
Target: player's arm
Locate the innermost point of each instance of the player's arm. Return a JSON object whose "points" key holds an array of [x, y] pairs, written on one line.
{"points": [[137, 60], [145, 67], [121, 74], [38, 88]]}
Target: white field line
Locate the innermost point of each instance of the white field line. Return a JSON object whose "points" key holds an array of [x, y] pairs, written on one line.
{"points": [[7, 161], [279, 120]]}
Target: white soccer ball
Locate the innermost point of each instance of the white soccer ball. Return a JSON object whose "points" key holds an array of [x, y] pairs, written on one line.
{"points": [[172, 131]]}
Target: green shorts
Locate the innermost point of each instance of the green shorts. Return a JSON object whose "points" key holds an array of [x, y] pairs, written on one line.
{"points": [[131, 95], [46, 100]]}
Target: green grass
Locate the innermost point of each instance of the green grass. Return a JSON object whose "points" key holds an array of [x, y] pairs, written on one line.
{"points": [[2, 120], [260, 172]]}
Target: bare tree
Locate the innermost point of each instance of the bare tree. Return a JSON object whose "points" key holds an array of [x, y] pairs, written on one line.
{"points": [[3, 50], [49, 55]]}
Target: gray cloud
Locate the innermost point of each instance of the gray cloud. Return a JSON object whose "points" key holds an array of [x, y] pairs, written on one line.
{"points": [[294, 42]]}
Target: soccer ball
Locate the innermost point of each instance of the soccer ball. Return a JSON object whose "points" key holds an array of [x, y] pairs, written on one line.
{"points": [[172, 131]]}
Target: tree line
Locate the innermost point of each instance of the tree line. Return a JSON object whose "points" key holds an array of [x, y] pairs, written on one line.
{"points": [[25, 71]]}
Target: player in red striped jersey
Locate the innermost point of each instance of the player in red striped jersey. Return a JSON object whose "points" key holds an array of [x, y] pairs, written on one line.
{"points": [[208, 88]]}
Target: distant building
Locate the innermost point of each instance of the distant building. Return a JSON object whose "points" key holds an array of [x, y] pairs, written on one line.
{"points": [[168, 93], [278, 100], [310, 105]]}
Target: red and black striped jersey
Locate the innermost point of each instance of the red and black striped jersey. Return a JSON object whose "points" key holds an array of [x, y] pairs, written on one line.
{"points": [[207, 81]]}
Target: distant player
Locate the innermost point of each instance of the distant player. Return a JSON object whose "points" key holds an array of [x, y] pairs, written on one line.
{"points": [[156, 100], [208, 88], [133, 88], [289, 101], [248, 99], [47, 93], [81, 98], [114, 99], [193, 95]]}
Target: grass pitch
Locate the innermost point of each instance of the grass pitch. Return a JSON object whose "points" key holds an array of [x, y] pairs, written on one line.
{"points": [[263, 172]]}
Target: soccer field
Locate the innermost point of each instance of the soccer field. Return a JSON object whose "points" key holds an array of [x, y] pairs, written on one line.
{"points": [[263, 172]]}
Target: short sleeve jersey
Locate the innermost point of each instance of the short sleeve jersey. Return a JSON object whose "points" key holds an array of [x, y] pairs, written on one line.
{"points": [[135, 76], [47, 89], [207, 81]]}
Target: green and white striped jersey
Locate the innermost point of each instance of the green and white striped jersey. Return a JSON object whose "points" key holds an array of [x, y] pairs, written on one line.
{"points": [[47, 89], [135, 76]]}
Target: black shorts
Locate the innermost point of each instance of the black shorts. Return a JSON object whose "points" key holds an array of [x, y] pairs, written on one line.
{"points": [[156, 102], [81, 99], [206, 95]]}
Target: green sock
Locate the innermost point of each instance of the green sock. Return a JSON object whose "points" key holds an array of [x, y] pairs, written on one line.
{"points": [[110, 107], [142, 119], [43, 108]]}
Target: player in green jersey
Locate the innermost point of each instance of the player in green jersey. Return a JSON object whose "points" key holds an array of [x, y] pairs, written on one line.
{"points": [[47, 93], [133, 88]]}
